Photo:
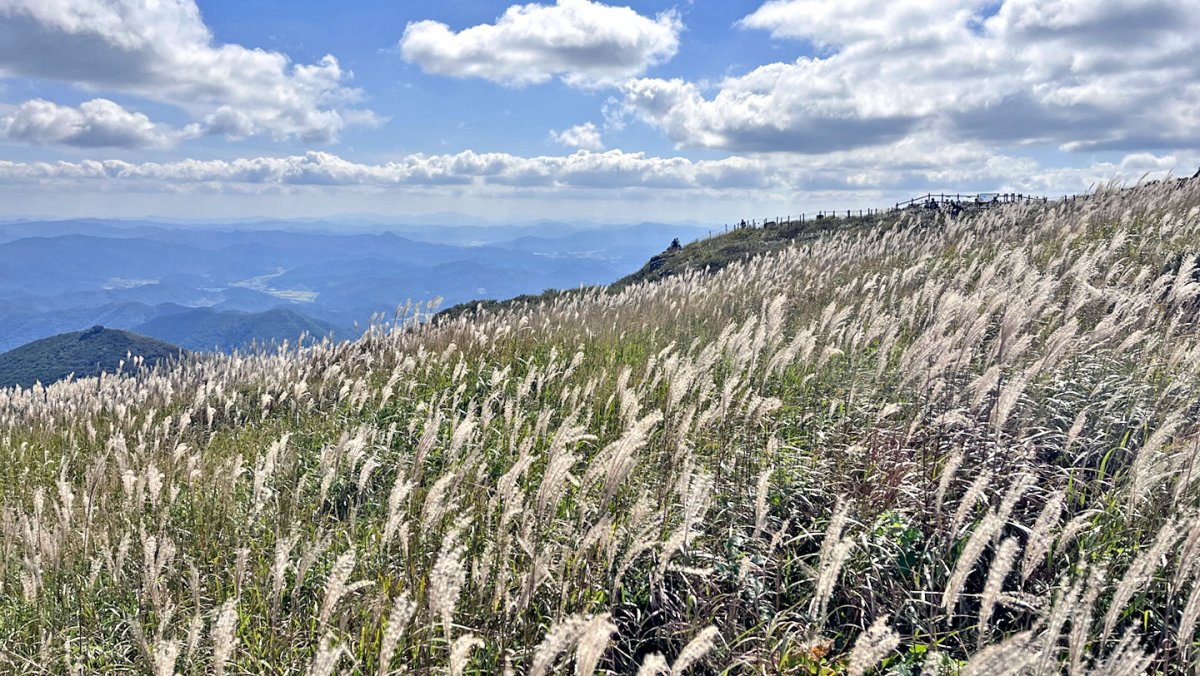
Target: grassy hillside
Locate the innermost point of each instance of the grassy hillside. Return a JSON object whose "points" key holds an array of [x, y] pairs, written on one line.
{"points": [[711, 255], [962, 446], [84, 353], [723, 249], [207, 329]]}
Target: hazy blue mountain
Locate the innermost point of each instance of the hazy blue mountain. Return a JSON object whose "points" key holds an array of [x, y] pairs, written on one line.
{"points": [[626, 247], [206, 329], [61, 276], [15, 230], [84, 353], [23, 322]]}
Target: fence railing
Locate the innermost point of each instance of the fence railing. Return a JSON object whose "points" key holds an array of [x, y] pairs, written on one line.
{"points": [[982, 198]]}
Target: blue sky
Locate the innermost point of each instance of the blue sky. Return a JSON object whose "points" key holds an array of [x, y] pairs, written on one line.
{"points": [[676, 111]]}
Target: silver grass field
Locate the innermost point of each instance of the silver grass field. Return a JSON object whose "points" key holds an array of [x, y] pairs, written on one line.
{"points": [[936, 446]]}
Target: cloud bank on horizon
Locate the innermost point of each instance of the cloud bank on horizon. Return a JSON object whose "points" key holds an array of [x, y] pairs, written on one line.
{"points": [[544, 109]]}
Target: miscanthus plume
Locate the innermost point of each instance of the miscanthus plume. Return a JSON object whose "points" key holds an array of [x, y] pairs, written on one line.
{"points": [[917, 441]]}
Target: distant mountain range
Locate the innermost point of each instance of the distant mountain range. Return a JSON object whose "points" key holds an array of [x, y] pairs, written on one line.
{"points": [[226, 286], [207, 329], [84, 353]]}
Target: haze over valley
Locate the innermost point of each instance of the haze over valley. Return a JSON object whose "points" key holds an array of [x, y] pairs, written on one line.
{"points": [[222, 287]]}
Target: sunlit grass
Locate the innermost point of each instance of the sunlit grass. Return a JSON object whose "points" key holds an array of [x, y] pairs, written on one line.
{"points": [[923, 444]]}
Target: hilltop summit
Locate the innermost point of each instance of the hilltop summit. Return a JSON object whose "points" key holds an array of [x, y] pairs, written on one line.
{"points": [[83, 353]]}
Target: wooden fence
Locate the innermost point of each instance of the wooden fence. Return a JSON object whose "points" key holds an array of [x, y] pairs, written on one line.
{"points": [[940, 199]]}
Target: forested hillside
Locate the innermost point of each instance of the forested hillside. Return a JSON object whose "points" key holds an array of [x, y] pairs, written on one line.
{"points": [[83, 353]]}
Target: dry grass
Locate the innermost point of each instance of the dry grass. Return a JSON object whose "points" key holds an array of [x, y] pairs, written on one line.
{"points": [[739, 472]]}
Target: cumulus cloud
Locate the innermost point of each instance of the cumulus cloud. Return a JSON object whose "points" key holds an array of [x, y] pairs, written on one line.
{"points": [[94, 124], [836, 24], [1078, 74], [583, 169], [585, 136], [582, 42], [915, 164], [776, 108], [164, 52]]}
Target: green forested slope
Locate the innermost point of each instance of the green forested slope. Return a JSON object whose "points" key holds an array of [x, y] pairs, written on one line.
{"points": [[84, 353]]}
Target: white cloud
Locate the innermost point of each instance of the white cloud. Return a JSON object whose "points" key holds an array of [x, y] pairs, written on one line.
{"points": [[585, 136], [836, 24], [612, 186], [164, 52], [1080, 74], [585, 43], [916, 164], [583, 169], [96, 123]]}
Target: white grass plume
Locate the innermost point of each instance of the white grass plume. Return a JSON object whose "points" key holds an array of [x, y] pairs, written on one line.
{"points": [[834, 551], [1139, 574], [460, 653], [224, 636], [760, 503], [166, 654], [559, 638], [653, 665], [874, 644], [984, 531], [329, 653], [402, 612], [593, 641], [447, 578], [973, 495], [1037, 545], [695, 650], [335, 584], [1012, 657], [949, 470], [1002, 564]]}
